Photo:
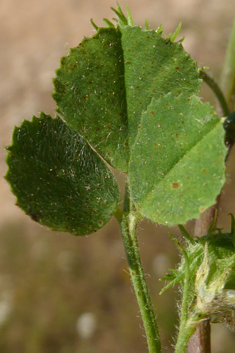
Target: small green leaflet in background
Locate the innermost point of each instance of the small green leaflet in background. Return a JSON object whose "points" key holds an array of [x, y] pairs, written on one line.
{"points": [[177, 163], [210, 261], [58, 179]]}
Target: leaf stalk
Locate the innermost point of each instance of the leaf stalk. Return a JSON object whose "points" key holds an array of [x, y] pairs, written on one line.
{"points": [[217, 91]]}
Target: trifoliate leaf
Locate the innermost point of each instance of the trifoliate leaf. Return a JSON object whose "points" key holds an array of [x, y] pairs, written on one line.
{"points": [[58, 179], [177, 163]]}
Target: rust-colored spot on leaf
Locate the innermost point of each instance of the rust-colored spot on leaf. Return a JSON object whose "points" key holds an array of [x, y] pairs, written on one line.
{"points": [[152, 113], [204, 171], [175, 185]]}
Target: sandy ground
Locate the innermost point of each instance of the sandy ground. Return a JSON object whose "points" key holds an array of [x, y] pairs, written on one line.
{"points": [[34, 34]]}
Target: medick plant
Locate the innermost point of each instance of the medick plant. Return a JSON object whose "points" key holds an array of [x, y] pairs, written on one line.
{"points": [[129, 98]]}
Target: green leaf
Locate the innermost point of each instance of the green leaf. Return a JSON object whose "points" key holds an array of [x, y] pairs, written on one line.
{"points": [[90, 94], [177, 163], [104, 84], [154, 67], [58, 179]]}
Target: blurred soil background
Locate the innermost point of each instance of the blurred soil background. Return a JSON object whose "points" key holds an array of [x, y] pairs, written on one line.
{"points": [[65, 294]]}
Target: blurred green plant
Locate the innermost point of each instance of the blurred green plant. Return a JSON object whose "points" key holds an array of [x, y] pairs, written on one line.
{"points": [[128, 98]]}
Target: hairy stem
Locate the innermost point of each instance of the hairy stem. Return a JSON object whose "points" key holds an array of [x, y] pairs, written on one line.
{"points": [[128, 227]]}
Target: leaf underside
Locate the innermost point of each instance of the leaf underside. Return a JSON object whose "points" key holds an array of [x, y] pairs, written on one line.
{"points": [[58, 179], [177, 163]]}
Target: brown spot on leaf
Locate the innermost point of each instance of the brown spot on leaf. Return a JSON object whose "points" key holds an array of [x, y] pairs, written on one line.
{"points": [[175, 185]]}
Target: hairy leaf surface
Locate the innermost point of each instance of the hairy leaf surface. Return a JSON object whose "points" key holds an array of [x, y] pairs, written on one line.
{"points": [[104, 85], [154, 66], [90, 94], [58, 179], [177, 163]]}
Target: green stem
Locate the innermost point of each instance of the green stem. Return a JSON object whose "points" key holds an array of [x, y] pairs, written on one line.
{"points": [[128, 228], [216, 89], [228, 72]]}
